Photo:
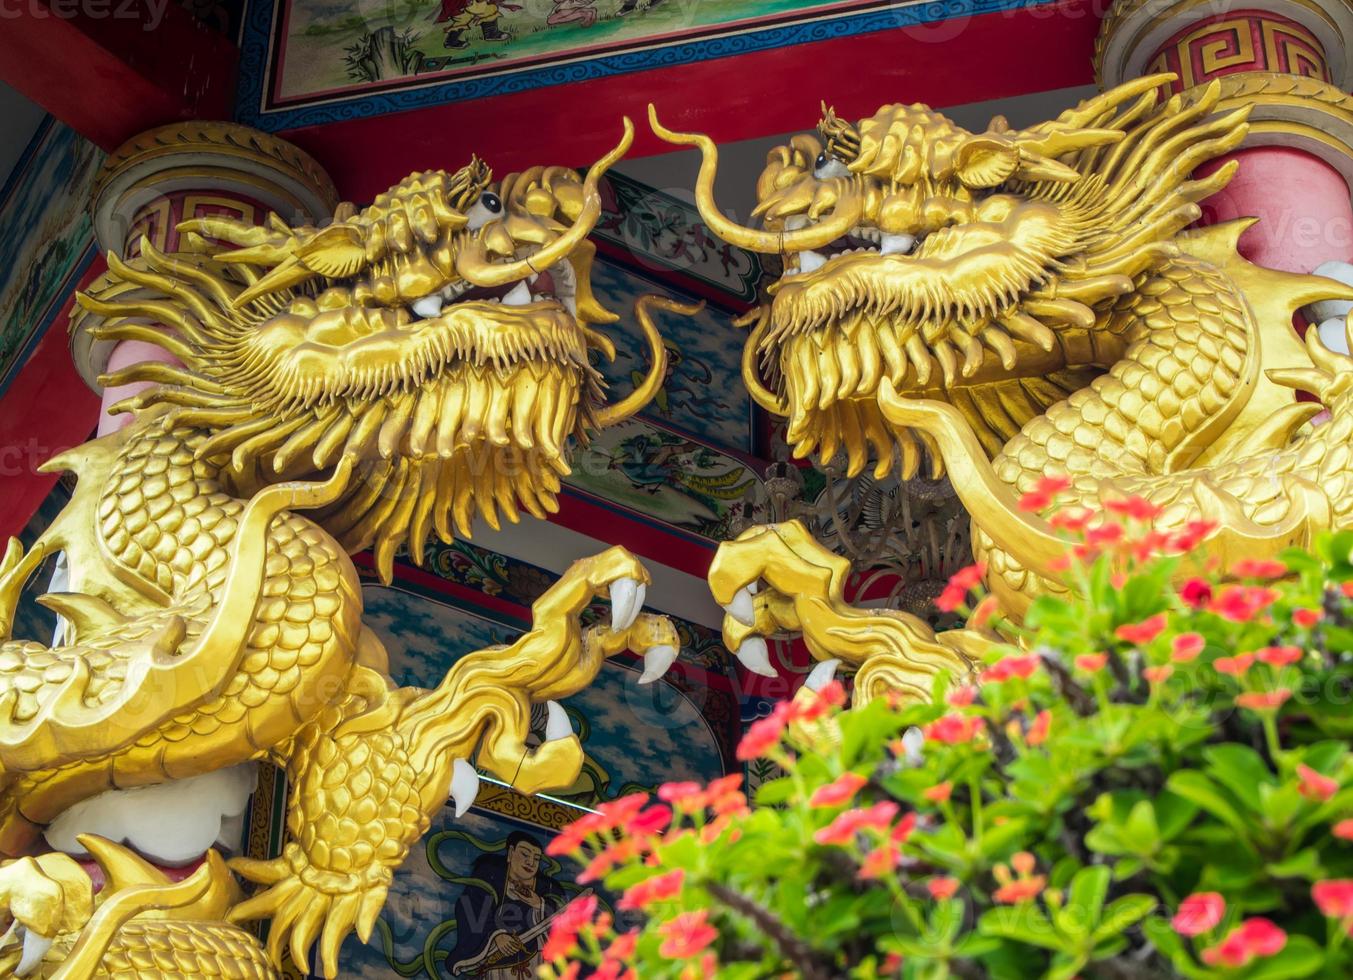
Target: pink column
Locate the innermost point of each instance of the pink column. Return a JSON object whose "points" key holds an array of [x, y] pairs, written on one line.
{"points": [[125, 354]]}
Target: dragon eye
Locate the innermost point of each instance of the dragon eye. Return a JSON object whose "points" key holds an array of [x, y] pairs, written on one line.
{"points": [[485, 209], [827, 166]]}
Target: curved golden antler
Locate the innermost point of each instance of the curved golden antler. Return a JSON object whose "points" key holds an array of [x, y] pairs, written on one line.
{"points": [[845, 217]]}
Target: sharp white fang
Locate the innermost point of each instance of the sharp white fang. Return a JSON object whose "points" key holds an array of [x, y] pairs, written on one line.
{"points": [[557, 725], [913, 741], [896, 244], [796, 221], [821, 675], [428, 306], [754, 654], [811, 261], [520, 295], [34, 949], [657, 661], [627, 598], [464, 785], [742, 608]]}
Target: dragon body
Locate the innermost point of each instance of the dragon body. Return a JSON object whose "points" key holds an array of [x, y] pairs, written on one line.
{"points": [[389, 376], [1020, 304]]}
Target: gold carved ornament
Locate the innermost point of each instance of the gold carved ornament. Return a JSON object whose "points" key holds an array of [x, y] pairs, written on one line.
{"points": [[1015, 304], [365, 384]]}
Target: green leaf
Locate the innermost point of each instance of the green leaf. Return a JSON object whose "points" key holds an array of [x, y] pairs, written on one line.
{"points": [[1021, 923], [1086, 897], [775, 791], [1241, 770], [1299, 958], [1304, 864], [1197, 788], [1123, 913]]}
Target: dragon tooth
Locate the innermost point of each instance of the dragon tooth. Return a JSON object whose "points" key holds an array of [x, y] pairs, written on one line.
{"points": [[557, 724], [821, 675], [741, 607], [428, 307], [519, 295], [810, 262]]}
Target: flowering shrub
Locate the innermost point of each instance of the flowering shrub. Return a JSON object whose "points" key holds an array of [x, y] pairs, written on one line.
{"points": [[1153, 781]]}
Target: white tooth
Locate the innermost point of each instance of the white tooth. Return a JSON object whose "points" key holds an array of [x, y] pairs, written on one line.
{"points": [[571, 304], [753, 587], [742, 608], [464, 786], [519, 296], [657, 661], [811, 262], [34, 949], [557, 725], [796, 221], [755, 656], [896, 244], [627, 598], [428, 306], [821, 675]]}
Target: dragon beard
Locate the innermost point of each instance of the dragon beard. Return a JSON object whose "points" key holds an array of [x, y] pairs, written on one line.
{"points": [[442, 418]]}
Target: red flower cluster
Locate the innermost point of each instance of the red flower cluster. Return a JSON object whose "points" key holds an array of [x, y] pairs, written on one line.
{"points": [[1186, 646], [1279, 656], [1264, 700], [1334, 898], [1252, 939], [1025, 888], [1264, 568], [764, 734], [1241, 603], [953, 729], [1135, 508], [661, 888], [566, 926], [960, 584], [1314, 785], [1038, 730]]}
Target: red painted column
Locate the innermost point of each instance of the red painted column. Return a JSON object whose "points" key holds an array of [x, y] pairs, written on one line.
{"points": [[166, 176]]}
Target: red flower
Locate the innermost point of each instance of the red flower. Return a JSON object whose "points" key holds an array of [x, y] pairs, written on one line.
{"points": [[843, 829], [1091, 663], [1252, 938], [1038, 731], [1314, 785], [1020, 890], [1193, 534], [960, 584], [1157, 675], [1103, 534], [1279, 656], [660, 888], [942, 888], [880, 861], [1196, 593], [761, 736], [841, 790], [983, 613], [1265, 568], [952, 729], [1141, 633], [1263, 700], [1043, 493], [1186, 647], [1135, 507], [1009, 667], [686, 935], [564, 929], [903, 828], [686, 796], [961, 697], [1334, 898], [940, 792], [1241, 603], [1023, 862], [1343, 829], [1199, 913], [1234, 666], [1306, 618], [1071, 520], [623, 946], [1347, 590]]}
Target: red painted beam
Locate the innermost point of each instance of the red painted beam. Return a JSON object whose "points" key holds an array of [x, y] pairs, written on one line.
{"points": [[973, 59], [46, 409], [110, 69]]}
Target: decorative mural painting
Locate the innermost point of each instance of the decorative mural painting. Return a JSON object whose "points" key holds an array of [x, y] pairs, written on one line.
{"points": [[46, 240], [475, 894]]}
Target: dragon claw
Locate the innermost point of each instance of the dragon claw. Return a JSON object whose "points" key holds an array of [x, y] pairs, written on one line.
{"points": [[657, 661], [627, 599]]}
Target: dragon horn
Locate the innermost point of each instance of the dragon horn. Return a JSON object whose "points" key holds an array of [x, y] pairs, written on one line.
{"points": [[657, 373]]}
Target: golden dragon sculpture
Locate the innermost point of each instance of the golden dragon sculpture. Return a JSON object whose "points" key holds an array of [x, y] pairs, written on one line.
{"points": [[364, 384], [1016, 304]]}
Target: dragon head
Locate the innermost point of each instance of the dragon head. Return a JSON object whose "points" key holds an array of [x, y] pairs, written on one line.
{"points": [[973, 268], [440, 340]]}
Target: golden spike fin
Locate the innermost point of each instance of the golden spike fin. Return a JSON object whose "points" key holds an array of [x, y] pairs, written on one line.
{"points": [[86, 613]]}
